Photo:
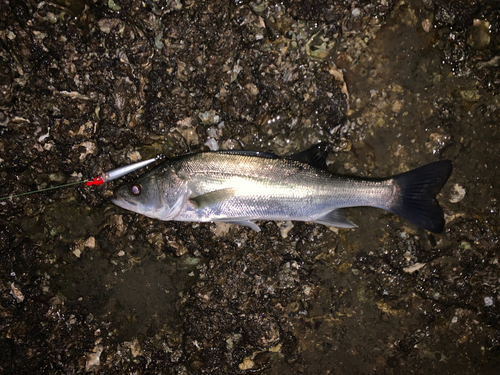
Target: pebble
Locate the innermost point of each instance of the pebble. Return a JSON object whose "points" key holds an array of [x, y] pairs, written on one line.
{"points": [[106, 24], [427, 25], [285, 227], [247, 364], [479, 34], [396, 106], [16, 293], [458, 193], [212, 144], [93, 359]]}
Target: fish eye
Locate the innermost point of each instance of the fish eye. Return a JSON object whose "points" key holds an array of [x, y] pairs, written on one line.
{"points": [[135, 189]]}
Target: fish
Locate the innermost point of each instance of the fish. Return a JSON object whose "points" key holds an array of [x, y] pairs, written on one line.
{"points": [[241, 187]]}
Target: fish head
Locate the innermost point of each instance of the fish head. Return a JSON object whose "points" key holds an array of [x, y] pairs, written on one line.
{"points": [[159, 194]]}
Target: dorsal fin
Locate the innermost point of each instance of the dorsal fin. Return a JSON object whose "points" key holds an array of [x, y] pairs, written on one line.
{"points": [[261, 154], [314, 156]]}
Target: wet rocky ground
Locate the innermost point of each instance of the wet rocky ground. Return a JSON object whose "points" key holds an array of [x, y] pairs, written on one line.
{"points": [[87, 86]]}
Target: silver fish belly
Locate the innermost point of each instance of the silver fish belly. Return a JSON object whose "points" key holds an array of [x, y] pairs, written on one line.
{"points": [[241, 187]]}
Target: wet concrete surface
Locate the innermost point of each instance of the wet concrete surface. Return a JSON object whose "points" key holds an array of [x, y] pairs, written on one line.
{"points": [[89, 86]]}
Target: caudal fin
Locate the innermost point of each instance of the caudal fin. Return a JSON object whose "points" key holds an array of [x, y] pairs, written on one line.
{"points": [[419, 187]]}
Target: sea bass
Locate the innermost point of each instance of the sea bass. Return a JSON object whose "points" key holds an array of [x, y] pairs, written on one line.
{"points": [[240, 187]]}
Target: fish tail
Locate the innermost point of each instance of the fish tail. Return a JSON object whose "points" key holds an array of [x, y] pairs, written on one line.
{"points": [[417, 201]]}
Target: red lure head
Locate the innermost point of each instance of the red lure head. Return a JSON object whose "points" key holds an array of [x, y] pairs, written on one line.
{"points": [[96, 181]]}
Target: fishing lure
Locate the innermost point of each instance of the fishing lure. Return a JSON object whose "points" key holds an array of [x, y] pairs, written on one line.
{"points": [[120, 172], [100, 179]]}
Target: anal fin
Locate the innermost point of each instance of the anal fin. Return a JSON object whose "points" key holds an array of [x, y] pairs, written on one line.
{"points": [[243, 222], [334, 218]]}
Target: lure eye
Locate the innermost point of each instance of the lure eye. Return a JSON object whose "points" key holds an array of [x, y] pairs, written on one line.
{"points": [[135, 189]]}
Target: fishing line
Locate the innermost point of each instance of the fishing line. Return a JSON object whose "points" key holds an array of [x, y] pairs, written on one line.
{"points": [[99, 180], [40, 190]]}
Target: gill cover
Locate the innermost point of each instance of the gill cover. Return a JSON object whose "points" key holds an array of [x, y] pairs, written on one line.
{"points": [[159, 194]]}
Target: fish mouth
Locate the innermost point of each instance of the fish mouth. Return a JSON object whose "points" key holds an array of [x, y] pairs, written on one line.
{"points": [[122, 201], [117, 201]]}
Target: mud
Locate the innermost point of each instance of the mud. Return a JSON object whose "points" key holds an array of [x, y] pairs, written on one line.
{"points": [[89, 86]]}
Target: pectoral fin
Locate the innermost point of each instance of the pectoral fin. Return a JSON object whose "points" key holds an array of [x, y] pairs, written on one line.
{"points": [[214, 197], [335, 219]]}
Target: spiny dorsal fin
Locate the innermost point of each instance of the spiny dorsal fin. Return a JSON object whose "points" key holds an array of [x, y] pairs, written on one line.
{"points": [[267, 155], [314, 156]]}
